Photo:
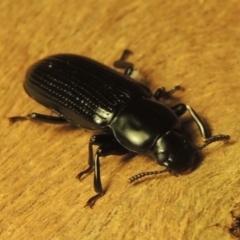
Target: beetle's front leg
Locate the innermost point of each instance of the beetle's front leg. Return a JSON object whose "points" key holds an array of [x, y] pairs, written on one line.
{"points": [[96, 140], [108, 146]]}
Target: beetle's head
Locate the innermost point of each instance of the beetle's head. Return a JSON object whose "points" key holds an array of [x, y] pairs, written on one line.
{"points": [[174, 151]]}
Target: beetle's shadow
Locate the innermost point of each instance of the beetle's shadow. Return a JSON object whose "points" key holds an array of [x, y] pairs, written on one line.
{"points": [[199, 158], [128, 157], [192, 135]]}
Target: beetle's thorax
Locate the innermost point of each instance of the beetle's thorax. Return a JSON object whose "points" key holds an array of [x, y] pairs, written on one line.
{"points": [[141, 122]]}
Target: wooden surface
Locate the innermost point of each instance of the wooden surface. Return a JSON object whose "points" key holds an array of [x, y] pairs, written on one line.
{"points": [[192, 43]]}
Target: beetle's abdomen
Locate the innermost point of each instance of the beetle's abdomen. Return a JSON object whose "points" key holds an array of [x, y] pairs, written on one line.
{"points": [[83, 91]]}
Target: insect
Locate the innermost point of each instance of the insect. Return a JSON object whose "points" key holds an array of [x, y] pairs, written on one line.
{"points": [[88, 94]]}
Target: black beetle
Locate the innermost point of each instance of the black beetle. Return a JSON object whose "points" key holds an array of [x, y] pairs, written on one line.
{"points": [[86, 93]]}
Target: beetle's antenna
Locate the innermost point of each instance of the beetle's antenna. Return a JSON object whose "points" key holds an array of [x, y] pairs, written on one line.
{"points": [[144, 174], [215, 138]]}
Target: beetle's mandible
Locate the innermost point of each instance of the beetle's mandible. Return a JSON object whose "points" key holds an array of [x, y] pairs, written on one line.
{"points": [[86, 93]]}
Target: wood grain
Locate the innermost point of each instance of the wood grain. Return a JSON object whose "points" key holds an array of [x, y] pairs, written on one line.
{"points": [[192, 43]]}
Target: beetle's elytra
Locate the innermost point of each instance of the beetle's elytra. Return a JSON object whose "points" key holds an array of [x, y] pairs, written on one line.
{"points": [[86, 93]]}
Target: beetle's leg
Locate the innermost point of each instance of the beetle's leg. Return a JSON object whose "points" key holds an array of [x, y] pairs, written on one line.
{"points": [[163, 93], [201, 125], [94, 140], [40, 118], [181, 108], [108, 148], [122, 63]]}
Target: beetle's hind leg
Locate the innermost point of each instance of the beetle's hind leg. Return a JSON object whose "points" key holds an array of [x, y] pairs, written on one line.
{"points": [[39, 118], [127, 66], [122, 63]]}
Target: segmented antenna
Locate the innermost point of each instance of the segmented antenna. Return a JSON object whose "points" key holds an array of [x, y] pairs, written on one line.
{"points": [[215, 138], [141, 175]]}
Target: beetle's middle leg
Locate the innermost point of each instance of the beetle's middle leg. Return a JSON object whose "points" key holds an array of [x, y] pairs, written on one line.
{"points": [[163, 93], [181, 108]]}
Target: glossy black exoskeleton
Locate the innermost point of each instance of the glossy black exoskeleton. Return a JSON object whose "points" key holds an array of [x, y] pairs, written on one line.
{"points": [[86, 93]]}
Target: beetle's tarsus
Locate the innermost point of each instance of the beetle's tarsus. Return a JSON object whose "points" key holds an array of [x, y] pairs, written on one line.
{"points": [[17, 119], [163, 93], [126, 53], [86, 171], [123, 64], [91, 202]]}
